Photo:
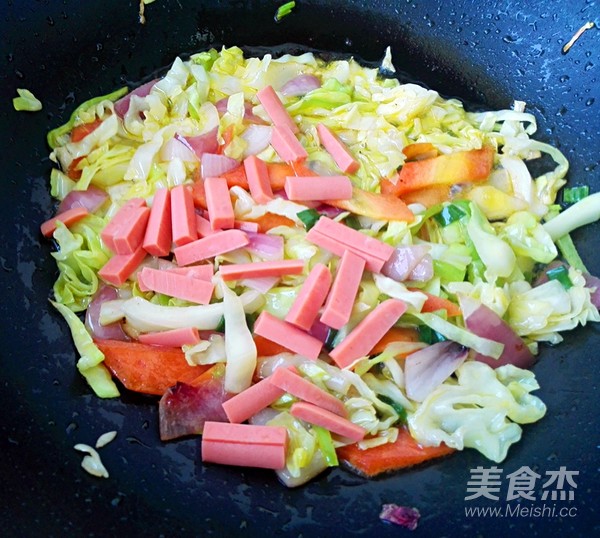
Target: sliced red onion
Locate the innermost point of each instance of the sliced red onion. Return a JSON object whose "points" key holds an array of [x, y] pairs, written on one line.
{"points": [[329, 211], [593, 282], [268, 247], [260, 284], [213, 165], [122, 105], [184, 408], [176, 148], [405, 516], [423, 271], [404, 261], [428, 368], [249, 115], [300, 85], [484, 322], [201, 144], [319, 330], [113, 331], [91, 199], [258, 137]]}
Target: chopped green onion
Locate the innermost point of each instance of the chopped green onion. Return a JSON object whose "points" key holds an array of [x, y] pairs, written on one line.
{"points": [[402, 417], [330, 338], [53, 137], [572, 195], [326, 445], [429, 336], [26, 102], [284, 10], [561, 274], [250, 319], [352, 222], [449, 214], [220, 328], [309, 218], [570, 254]]}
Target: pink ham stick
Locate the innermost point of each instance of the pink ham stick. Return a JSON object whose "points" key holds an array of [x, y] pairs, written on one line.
{"points": [[157, 240], [246, 226], [244, 445], [203, 272], [183, 216], [353, 238], [203, 227], [277, 268], [175, 285], [305, 390], [328, 420], [122, 217], [120, 267], [211, 246], [338, 150], [258, 179], [218, 203], [247, 403], [68, 217], [305, 308], [275, 109], [333, 245], [343, 292], [173, 338], [318, 188], [286, 144], [367, 333], [131, 233], [287, 335]]}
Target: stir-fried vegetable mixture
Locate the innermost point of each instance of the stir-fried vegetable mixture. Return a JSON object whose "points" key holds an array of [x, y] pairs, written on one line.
{"points": [[312, 263]]}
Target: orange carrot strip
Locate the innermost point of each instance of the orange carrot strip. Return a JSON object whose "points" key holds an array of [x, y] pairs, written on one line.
{"points": [[419, 150], [434, 303], [79, 132], [145, 368], [395, 334], [271, 220], [405, 452], [376, 206]]}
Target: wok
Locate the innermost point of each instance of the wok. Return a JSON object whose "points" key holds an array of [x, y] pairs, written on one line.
{"points": [[488, 53]]}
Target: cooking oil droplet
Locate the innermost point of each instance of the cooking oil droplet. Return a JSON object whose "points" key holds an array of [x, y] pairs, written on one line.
{"points": [[590, 101], [564, 78]]}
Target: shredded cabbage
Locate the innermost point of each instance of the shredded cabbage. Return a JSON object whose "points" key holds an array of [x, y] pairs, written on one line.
{"points": [[481, 410]]}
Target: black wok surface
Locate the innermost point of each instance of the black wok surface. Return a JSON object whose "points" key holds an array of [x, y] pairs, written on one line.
{"points": [[487, 52]]}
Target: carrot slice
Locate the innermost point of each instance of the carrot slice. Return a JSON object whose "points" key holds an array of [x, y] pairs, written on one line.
{"points": [[279, 171], [271, 220], [79, 132], [429, 196], [460, 167], [419, 150], [405, 452], [376, 206], [236, 178], [434, 303], [227, 138], [395, 334], [267, 348], [145, 368]]}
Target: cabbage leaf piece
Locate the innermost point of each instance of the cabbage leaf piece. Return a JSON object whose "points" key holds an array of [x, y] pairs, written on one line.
{"points": [[481, 410]]}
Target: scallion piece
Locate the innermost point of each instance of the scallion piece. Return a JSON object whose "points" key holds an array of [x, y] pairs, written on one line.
{"points": [[572, 195], [284, 10], [402, 417], [451, 213], [352, 222], [326, 445], [220, 328], [309, 218], [429, 336], [330, 338], [561, 274], [570, 254]]}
